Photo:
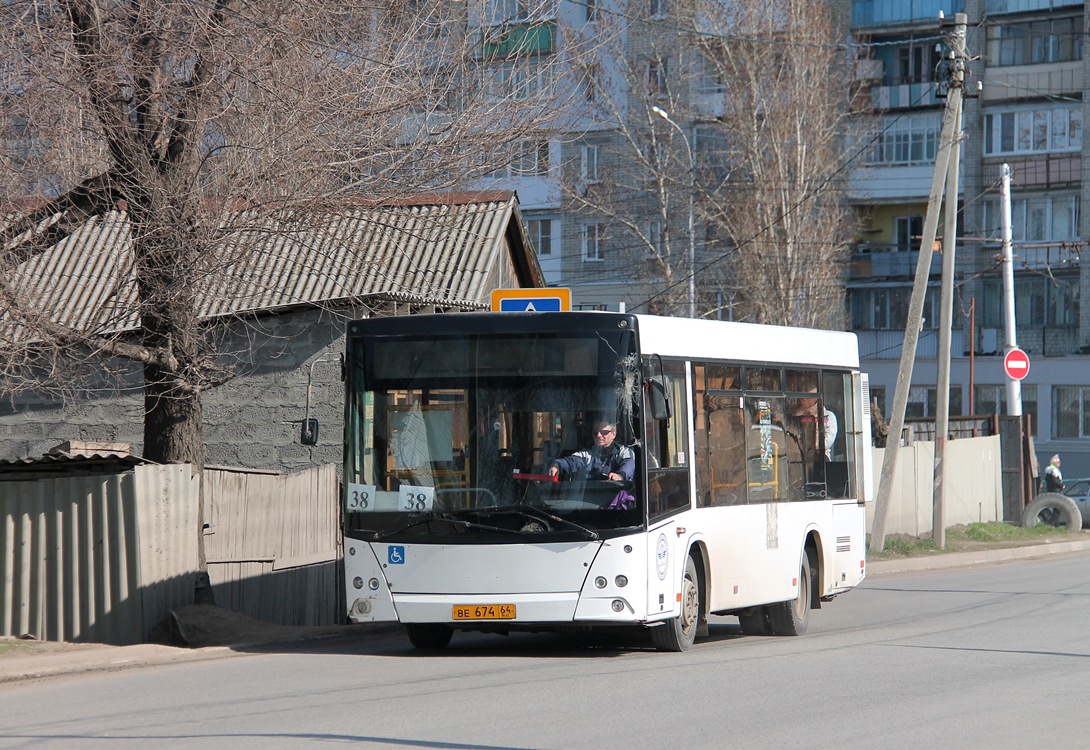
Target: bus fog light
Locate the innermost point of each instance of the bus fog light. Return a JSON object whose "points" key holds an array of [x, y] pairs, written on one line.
{"points": [[357, 582], [618, 605], [600, 582], [361, 607], [621, 581], [373, 584]]}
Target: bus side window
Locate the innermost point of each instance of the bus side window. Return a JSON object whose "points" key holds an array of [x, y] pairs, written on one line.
{"points": [[840, 454], [667, 450]]}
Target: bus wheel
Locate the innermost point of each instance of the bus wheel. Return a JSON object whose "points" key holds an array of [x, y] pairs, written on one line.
{"points": [[679, 633], [429, 635], [792, 617], [755, 622]]}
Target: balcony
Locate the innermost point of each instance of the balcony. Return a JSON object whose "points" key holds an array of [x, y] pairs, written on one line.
{"points": [[874, 261], [888, 344], [1039, 171], [866, 13], [517, 39], [996, 7], [905, 95], [896, 182], [1038, 256]]}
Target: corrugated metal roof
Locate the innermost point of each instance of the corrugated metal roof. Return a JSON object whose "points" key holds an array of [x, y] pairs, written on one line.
{"points": [[438, 249]]}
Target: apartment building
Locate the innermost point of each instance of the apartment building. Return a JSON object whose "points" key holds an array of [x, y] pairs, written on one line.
{"points": [[1028, 113]]}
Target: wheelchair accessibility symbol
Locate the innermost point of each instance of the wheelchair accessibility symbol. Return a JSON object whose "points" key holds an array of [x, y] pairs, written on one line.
{"points": [[396, 554]]}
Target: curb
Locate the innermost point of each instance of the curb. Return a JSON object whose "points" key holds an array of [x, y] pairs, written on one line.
{"points": [[89, 658], [944, 560]]}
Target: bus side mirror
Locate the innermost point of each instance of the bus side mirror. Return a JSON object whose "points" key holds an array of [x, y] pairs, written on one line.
{"points": [[659, 396]]}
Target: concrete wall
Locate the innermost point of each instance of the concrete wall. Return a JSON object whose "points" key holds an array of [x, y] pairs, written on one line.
{"points": [[973, 484], [253, 420]]}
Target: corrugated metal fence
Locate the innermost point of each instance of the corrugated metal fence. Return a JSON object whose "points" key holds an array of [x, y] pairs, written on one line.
{"points": [[273, 546], [104, 557], [100, 557]]}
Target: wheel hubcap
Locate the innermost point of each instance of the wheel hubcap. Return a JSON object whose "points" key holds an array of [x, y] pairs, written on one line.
{"points": [[690, 607]]}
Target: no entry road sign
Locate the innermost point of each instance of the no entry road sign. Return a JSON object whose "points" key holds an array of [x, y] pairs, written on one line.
{"points": [[1016, 364]]}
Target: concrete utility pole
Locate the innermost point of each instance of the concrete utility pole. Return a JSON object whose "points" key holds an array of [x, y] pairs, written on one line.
{"points": [[946, 322], [1014, 386], [951, 134]]}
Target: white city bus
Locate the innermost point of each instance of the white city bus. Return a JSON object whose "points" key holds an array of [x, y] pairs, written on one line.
{"points": [[752, 470]]}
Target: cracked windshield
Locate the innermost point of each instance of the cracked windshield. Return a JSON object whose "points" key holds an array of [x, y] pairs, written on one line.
{"points": [[492, 438]]}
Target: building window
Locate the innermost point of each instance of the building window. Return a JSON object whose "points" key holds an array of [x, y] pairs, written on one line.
{"points": [[520, 80], [1033, 131], [530, 158], [1038, 218], [1045, 41], [656, 77], [541, 235], [1038, 301], [923, 401], [590, 163], [709, 79], [654, 239], [992, 399], [711, 150], [592, 237], [908, 140], [886, 308], [1070, 411], [916, 63], [658, 8], [908, 230], [502, 11]]}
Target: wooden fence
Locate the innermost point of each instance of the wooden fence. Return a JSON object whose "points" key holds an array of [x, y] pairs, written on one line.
{"points": [[273, 544]]}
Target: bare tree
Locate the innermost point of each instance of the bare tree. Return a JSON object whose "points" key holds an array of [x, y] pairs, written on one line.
{"points": [[626, 177], [788, 101], [741, 108], [168, 118]]}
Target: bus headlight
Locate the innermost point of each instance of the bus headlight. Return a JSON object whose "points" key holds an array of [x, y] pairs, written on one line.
{"points": [[618, 605], [600, 582], [357, 582], [621, 581], [373, 584]]}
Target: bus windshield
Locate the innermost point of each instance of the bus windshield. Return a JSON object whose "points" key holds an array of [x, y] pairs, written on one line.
{"points": [[451, 438]]}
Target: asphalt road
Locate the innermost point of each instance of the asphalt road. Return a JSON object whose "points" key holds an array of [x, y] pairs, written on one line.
{"points": [[993, 657]]}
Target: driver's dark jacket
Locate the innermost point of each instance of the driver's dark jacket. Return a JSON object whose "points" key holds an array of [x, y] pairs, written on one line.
{"points": [[600, 462]]}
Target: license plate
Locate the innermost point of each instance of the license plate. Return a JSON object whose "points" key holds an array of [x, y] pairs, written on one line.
{"points": [[483, 612]]}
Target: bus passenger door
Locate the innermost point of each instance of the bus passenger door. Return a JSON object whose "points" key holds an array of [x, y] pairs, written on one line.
{"points": [[669, 479]]}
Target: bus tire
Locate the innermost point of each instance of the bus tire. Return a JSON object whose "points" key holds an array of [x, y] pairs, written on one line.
{"points": [[679, 633], [1053, 509], [431, 636], [792, 617]]}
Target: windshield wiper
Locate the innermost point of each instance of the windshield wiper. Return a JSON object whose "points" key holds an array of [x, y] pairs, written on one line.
{"points": [[428, 519], [538, 513]]}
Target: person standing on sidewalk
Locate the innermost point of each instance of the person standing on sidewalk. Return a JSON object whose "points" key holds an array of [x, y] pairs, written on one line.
{"points": [[1054, 478]]}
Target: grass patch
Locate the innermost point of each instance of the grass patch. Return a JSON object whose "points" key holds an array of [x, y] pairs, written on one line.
{"points": [[973, 536], [10, 645]]}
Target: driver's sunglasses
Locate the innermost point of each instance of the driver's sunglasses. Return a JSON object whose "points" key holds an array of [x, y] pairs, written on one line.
{"points": [[603, 432]]}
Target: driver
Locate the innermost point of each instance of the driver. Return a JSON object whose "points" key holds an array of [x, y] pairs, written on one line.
{"points": [[606, 460]]}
